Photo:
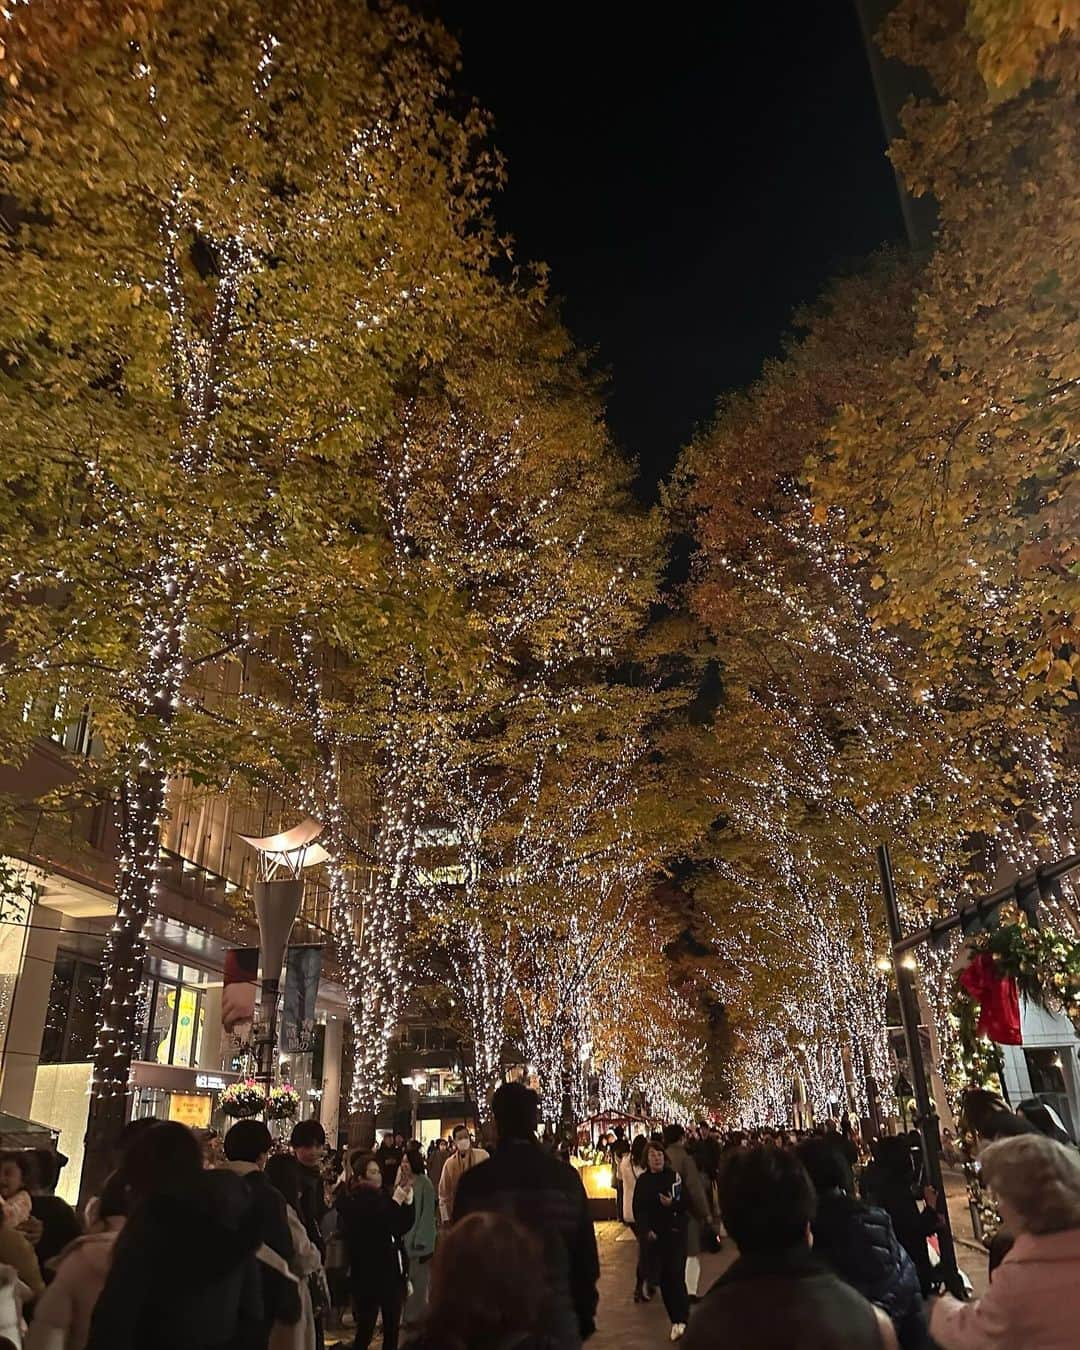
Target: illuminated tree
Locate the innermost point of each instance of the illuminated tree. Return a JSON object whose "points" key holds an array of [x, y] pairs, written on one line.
{"points": [[202, 340]]}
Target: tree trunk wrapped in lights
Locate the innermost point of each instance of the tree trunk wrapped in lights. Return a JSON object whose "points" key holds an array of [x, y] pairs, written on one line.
{"points": [[199, 378]]}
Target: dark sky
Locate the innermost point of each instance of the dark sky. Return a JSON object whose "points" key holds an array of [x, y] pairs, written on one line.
{"points": [[691, 172]]}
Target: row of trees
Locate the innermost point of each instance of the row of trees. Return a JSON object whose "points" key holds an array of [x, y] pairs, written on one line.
{"points": [[887, 536], [307, 492]]}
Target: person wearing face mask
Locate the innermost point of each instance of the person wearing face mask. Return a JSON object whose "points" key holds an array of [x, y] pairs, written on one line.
{"points": [[462, 1160]]}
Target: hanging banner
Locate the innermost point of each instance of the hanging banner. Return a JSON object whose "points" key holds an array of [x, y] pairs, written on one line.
{"points": [[238, 993], [303, 966]]}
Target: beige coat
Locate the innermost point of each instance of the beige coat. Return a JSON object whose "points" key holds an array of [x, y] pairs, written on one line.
{"points": [[306, 1261], [453, 1170], [63, 1312]]}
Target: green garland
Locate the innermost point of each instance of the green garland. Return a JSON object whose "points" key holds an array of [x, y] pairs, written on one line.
{"points": [[1044, 964], [1046, 968]]}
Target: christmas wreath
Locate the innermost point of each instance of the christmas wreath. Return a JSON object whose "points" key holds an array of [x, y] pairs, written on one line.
{"points": [[1044, 964], [243, 1099], [1014, 960], [282, 1103]]}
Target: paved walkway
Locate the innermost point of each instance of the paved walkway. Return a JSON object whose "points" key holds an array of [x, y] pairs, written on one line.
{"points": [[622, 1324]]}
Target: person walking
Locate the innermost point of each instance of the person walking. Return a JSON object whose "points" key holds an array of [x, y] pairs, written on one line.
{"points": [[420, 1239], [184, 1272], [15, 1198], [708, 1161], [698, 1209], [1033, 1302], [389, 1156], [437, 1156], [892, 1189], [631, 1165], [501, 1312], [247, 1150], [546, 1196], [283, 1172], [660, 1212], [373, 1223], [857, 1242], [60, 1224], [463, 1159], [778, 1294], [308, 1144]]}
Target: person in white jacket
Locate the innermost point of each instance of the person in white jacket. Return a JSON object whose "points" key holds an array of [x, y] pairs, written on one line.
{"points": [[282, 1171], [62, 1314]]}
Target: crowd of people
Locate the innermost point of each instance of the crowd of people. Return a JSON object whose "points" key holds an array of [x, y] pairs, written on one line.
{"points": [[200, 1243]]}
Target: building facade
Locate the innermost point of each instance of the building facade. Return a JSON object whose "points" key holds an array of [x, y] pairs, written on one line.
{"points": [[57, 906]]}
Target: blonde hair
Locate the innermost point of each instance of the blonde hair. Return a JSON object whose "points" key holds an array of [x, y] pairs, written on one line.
{"points": [[1038, 1178]]}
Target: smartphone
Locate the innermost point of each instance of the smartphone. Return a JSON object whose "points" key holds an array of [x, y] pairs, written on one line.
{"points": [[676, 1190]]}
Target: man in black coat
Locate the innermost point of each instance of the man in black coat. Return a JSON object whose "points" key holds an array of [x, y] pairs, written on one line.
{"points": [[778, 1293], [546, 1196], [308, 1144], [247, 1148]]}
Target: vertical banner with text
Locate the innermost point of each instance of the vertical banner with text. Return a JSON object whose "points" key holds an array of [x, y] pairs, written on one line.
{"points": [[303, 967]]}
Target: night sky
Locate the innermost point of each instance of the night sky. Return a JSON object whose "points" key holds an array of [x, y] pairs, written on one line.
{"points": [[690, 176]]}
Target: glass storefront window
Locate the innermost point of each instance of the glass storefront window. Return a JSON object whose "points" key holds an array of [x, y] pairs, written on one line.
{"points": [[56, 1015], [170, 1013], [159, 1032], [186, 1019], [70, 1028], [85, 1003]]}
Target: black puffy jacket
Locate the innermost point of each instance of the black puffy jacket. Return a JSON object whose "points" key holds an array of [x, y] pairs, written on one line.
{"points": [[859, 1244]]}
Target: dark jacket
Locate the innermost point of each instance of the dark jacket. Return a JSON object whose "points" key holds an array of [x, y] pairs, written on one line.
{"points": [[911, 1225], [61, 1227], [313, 1204], [546, 1196], [782, 1301], [280, 1295], [184, 1274], [857, 1242], [708, 1158], [372, 1225], [389, 1160], [650, 1215]]}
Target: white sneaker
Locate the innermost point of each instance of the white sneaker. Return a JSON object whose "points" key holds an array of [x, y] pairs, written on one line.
{"points": [[678, 1330]]}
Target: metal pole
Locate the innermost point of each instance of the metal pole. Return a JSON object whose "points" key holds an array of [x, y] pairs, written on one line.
{"points": [[927, 1118]]}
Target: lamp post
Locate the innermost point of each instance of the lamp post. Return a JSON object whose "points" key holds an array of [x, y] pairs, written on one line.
{"points": [[927, 1118], [1039, 885], [278, 894]]}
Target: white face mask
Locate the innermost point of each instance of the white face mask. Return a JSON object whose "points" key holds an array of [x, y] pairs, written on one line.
{"points": [[463, 1145]]}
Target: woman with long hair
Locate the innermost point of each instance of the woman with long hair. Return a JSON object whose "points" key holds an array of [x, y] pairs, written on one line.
{"points": [[485, 1294]]}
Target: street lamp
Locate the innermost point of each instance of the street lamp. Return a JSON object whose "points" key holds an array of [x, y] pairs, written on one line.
{"points": [[278, 894]]}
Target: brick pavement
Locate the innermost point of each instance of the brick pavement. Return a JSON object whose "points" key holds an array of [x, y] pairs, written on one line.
{"points": [[622, 1324]]}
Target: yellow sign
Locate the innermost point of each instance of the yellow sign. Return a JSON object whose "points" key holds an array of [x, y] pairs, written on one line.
{"points": [[190, 1109]]}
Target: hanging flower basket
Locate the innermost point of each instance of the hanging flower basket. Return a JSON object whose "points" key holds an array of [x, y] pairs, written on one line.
{"points": [[244, 1099], [283, 1102]]}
